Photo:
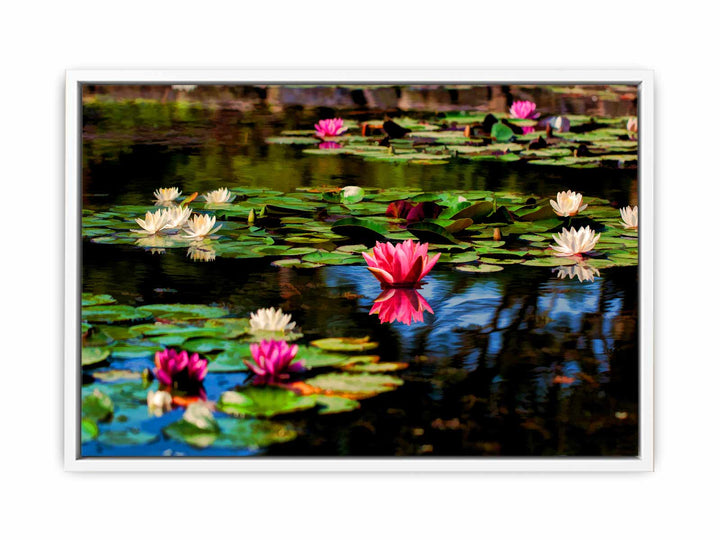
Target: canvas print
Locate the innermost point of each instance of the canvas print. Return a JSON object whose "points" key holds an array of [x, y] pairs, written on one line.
{"points": [[346, 271]]}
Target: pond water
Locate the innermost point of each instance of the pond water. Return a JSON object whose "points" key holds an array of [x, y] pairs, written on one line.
{"points": [[519, 362]]}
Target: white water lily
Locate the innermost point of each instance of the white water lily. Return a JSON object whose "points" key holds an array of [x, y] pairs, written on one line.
{"points": [[574, 242], [583, 272], [352, 191], [200, 415], [166, 195], [568, 203], [629, 216], [219, 196], [201, 253], [153, 223], [159, 402], [177, 216], [200, 225], [270, 320]]}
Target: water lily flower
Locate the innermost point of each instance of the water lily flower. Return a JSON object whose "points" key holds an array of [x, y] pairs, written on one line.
{"points": [[273, 361], [568, 203], [177, 216], [400, 265], [201, 225], [629, 216], [352, 191], [271, 320], [219, 196], [200, 415], [166, 195], [202, 253], [574, 242], [180, 369], [159, 402], [331, 127], [632, 124], [583, 272], [523, 109], [153, 222], [403, 305]]}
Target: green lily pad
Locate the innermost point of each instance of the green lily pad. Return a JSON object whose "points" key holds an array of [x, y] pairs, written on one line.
{"points": [[97, 406], [431, 232], [359, 228], [345, 344], [88, 430], [480, 268], [266, 402], [182, 312], [97, 299], [93, 355], [233, 433], [336, 404], [114, 314], [356, 386]]}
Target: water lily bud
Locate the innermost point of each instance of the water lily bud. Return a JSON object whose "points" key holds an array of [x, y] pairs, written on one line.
{"points": [[251, 217], [462, 199], [496, 234], [159, 402]]}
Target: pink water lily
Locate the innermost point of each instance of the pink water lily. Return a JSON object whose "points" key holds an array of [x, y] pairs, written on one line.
{"points": [[180, 369], [400, 265], [403, 305], [273, 361], [523, 109], [332, 127]]}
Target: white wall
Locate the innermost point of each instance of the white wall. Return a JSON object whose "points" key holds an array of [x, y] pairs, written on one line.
{"points": [[679, 41]]}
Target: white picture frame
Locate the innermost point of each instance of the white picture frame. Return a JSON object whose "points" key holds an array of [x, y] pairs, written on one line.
{"points": [[76, 78]]}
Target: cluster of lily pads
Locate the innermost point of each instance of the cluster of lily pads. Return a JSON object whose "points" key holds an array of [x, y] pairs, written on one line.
{"points": [[520, 135], [150, 360]]}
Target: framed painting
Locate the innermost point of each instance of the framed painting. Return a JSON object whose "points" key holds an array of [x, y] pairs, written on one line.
{"points": [[359, 270]]}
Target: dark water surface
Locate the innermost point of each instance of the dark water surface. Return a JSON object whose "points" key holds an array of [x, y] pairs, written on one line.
{"points": [[514, 363]]}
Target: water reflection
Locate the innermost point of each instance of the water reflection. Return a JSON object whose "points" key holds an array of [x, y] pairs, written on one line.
{"points": [[201, 252], [581, 271], [403, 305], [329, 145]]}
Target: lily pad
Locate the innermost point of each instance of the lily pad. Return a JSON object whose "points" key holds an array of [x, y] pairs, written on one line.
{"points": [[181, 312], [345, 344], [354, 386], [114, 314], [97, 406], [93, 355], [263, 402], [336, 404]]}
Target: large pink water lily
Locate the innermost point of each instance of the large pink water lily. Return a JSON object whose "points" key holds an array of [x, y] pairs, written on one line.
{"points": [[179, 369], [273, 361], [523, 109], [403, 305], [400, 265], [332, 127]]}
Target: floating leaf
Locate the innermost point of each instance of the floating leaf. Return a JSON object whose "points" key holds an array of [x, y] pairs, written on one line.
{"points": [[359, 228], [345, 344], [97, 406], [114, 314], [97, 299], [185, 311], [127, 437], [93, 355], [336, 404], [264, 402], [354, 386]]}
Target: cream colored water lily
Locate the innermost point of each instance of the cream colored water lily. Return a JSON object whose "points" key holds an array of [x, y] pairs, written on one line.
{"points": [[629, 216], [159, 402], [219, 196], [166, 195], [568, 203], [575, 242], [270, 320], [201, 253], [583, 272], [153, 223], [200, 225], [177, 216]]}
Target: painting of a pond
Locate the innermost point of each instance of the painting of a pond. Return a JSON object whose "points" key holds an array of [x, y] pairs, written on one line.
{"points": [[352, 271]]}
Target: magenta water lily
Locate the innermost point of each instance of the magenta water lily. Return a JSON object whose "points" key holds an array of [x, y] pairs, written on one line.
{"points": [[400, 265], [178, 369], [273, 361], [523, 109], [332, 127]]}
